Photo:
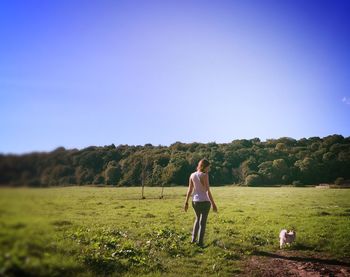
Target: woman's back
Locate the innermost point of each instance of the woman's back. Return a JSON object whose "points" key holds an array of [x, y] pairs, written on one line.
{"points": [[200, 191], [198, 187]]}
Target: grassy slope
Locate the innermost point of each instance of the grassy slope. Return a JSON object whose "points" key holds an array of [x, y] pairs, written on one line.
{"points": [[89, 231]]}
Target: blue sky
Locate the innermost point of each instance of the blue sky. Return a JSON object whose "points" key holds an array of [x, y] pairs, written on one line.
{"points": [[80, 73]]}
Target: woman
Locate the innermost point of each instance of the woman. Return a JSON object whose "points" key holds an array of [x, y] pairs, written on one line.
{"points": [[201, 199]]}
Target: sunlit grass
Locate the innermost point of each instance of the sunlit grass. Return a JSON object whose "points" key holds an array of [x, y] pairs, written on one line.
{"points": [[96, 231]]}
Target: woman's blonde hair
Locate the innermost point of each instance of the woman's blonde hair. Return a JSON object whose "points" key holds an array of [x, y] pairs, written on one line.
{"points": [[202, 164]]}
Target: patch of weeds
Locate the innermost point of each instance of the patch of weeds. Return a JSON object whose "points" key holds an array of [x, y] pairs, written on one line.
{"points": [[108, 251], [170, 241], [149, 215], [78, 235], [114, 232], [217, 229], [323, 213], [12, 265], [21, 263], [3, 212], [345, 213], [219, 243], [225, 261], [287, 215], [127, 251], [60, 223], [247, 250], [230, 221], [102, 264], [81, 213], [232, 233], [258, 240], [301, 246], [18, 226], [231, 255], [35, 250]]}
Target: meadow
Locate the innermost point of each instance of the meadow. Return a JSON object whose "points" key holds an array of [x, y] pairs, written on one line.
{"points": [[97, 231]]}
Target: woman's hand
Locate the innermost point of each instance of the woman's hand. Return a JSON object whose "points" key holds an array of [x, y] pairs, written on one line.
{"points": [[186, 207], [215, 209]]}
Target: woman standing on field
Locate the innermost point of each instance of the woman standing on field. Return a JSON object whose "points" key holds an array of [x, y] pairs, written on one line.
{"points": [[201, 199]]}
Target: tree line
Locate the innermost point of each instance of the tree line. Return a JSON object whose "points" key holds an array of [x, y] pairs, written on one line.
{"points": [[249, 162]]}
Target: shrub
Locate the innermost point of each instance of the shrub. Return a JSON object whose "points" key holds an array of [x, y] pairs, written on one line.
{"points": [[99, 179], [339, 181], [112, 174], [297, 183], [253, 180]]}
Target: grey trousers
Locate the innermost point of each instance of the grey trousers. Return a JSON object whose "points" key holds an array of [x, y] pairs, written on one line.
{"points": [[202, 210]]}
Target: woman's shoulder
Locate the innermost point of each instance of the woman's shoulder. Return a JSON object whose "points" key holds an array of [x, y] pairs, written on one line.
{"points": [[200, 173], [192, 174]]}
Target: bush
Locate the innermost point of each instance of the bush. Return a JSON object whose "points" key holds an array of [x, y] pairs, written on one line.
{"points": [[297, 183], [99, 179], [253, 180], [339, 181], [112, 174]]}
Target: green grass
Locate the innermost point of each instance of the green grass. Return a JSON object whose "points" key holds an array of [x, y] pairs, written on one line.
{"points": [[91, 231]]}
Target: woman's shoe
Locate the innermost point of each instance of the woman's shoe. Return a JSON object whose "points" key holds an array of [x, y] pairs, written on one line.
{"points": [[201, 245]]}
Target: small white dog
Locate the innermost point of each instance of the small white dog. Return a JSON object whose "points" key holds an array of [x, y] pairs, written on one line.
{"points": [[286, 237]]}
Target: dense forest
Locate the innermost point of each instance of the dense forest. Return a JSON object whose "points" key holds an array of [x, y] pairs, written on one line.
{"points": [[246, 162]]}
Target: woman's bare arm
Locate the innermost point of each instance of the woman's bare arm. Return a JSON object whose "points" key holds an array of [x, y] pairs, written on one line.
{"points": [[206, 184], [189, 192]]}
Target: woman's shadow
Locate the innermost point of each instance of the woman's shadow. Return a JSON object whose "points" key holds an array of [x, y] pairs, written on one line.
{"points": [[302, 259]]}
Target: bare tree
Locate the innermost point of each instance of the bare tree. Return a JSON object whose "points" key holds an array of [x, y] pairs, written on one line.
{"points": [[143, 176], [162, 192]]}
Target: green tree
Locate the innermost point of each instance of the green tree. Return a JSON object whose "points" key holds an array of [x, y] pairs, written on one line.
{"points": [[253, 180], [111, 174]]}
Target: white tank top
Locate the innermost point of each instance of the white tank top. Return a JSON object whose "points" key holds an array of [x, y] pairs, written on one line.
{"points": [[199, 192]]}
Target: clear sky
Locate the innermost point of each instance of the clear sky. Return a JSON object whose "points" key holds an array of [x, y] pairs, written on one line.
{"points": [[80, 73]]}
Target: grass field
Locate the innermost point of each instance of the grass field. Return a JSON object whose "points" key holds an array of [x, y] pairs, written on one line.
{"points": [[91, 231]]}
